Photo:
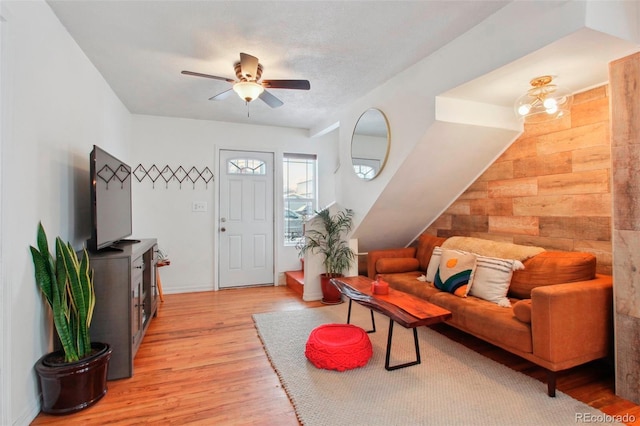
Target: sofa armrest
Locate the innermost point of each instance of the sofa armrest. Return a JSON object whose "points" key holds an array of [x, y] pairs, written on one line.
{"points": [[374, 255], [572, 323]]}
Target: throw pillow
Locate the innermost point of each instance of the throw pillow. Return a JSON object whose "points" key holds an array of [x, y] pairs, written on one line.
{"points": [[434, 262], [455, 272], [522, 310], [492, 278]]}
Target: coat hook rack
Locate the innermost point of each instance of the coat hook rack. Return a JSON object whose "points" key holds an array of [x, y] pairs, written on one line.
{"points": [[169, 174], [107, 174]]}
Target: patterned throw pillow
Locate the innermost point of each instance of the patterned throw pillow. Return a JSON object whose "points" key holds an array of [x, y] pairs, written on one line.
{"points": [[434, 262], [455, 272]]}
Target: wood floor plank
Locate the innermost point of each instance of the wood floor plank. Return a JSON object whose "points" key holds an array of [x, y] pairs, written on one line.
{"points": [[202, 363]]}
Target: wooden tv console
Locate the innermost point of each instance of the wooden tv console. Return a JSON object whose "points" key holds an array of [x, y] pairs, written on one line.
{"points": [[126, 300]]}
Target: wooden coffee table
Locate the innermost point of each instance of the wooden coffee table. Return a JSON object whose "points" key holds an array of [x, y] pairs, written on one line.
{"points": [[407, 310]]}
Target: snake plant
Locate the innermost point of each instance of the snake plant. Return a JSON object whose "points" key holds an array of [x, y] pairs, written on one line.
{"points": [[328, 241], [67, 285]]}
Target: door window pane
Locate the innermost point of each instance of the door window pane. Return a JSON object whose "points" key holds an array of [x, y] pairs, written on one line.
{"points": [[246, 166]]}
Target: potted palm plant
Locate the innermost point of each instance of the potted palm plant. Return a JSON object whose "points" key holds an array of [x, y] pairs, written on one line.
{"points": [[74, 377], [327, 239]]}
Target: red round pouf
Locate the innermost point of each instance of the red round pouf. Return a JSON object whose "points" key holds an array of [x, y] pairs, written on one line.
{"points": [[338, 347]]}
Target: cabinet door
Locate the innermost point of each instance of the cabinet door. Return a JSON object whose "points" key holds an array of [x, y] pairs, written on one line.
{"points": [[150, 284], [111, 321], [137, 302]]}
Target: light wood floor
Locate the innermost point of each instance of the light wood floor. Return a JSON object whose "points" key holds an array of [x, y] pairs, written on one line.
{"points": [[202, 362]]}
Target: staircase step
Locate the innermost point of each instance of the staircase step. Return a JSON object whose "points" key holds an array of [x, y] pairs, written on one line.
{"points": [[295, 281]]}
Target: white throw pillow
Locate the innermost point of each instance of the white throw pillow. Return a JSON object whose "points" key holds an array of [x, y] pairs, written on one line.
{"points": [[434, 262], [492, 278]]}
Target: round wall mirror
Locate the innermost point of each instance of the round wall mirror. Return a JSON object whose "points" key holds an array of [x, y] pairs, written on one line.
{"points": [[370, 144]]}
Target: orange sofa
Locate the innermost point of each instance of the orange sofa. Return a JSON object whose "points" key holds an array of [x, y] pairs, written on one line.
{"points": [[561, 310]]}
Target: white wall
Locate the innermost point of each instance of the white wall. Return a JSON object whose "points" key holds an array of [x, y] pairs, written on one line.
{"points": [[55, 105], [166, 212]]}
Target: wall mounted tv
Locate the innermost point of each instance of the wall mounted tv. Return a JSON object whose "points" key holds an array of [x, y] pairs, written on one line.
{"points": [[111, 218]]}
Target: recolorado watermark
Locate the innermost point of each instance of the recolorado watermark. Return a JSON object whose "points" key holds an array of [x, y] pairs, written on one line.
{"points": [[604, 418]]}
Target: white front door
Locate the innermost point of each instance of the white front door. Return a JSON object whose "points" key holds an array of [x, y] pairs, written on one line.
{"points": [[246, 223]]}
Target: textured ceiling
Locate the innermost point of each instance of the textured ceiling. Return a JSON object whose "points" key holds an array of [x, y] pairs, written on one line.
{"points": [[345, 49]]}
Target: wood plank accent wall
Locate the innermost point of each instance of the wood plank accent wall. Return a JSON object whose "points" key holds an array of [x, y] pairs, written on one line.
{"points": [[551, 188], [624, 77]]}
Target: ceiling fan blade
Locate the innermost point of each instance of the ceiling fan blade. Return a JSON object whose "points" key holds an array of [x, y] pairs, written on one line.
{"points": [[287, 84], [249, 66], [215, 77], [221, 96], [271, 100]]}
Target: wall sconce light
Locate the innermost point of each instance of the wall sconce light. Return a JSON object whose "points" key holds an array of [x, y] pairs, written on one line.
{"points": [[544, 101]]}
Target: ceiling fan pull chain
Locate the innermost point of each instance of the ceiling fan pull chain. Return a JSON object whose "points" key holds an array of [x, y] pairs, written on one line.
{"points": [[247, 104]]}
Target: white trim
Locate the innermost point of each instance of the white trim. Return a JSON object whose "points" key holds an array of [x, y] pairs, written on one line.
{"points": [[5, 292]]}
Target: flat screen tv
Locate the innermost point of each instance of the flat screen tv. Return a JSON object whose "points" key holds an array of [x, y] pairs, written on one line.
{"points": [[111, 219]]}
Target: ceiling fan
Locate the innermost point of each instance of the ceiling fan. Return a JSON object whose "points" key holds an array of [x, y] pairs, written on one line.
{"points": [[248, 84]]}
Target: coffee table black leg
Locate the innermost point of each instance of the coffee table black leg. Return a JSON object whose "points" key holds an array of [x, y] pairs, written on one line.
{"points": [[389, 339], [373, 321]]}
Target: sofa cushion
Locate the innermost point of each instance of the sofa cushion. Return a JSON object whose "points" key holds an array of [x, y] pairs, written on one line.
{"points": [[408, 283], [492, 278], [426, 244], [486, 320], [522, 310], [392, 265], [455, 272], [552, 267]]}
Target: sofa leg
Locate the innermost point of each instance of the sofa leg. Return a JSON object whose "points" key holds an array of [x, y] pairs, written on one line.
{"points": [[551, 383]]}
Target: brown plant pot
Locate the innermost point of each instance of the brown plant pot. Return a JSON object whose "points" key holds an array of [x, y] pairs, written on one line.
{"points": [[330, 293], [68, 388]]}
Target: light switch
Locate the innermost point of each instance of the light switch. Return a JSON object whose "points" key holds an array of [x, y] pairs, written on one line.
{"points": [[199, 206]]}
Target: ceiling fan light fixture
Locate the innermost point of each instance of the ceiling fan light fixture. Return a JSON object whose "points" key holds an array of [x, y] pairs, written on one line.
{"points": [[248, 90], [543, 101]]}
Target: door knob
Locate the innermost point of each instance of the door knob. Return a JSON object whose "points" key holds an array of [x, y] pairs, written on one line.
{"points": [[223, 229]]}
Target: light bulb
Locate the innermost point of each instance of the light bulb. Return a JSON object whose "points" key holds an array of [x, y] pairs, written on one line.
{"points": [[543, 101], [524, 109]]}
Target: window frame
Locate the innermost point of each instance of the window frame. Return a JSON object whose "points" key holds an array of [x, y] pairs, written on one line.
{"points": [[309, 196]]}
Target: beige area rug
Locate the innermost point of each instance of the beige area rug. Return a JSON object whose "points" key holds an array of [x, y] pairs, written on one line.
{"points": [[452, 386]]}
